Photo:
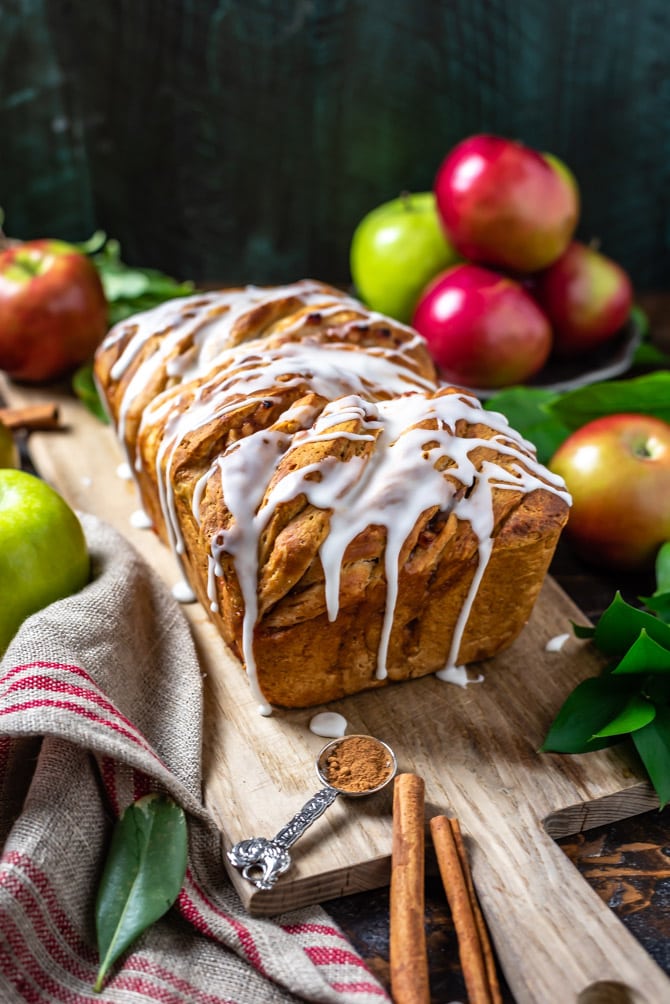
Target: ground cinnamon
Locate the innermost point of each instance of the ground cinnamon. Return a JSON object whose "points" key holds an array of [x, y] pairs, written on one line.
{"points": [[357, 764]]}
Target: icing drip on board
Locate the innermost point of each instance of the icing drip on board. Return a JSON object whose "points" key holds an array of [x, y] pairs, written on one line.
{"points": [[328, 724]]}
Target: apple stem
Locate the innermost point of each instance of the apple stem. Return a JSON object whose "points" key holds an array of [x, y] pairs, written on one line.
{"points": [[5, 241]]}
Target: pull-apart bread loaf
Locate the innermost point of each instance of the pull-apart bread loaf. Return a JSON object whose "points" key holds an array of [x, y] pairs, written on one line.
{"points": [[344, 519]]}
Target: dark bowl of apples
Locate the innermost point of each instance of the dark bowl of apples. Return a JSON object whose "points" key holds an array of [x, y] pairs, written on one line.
{"points": [[611, 359]]}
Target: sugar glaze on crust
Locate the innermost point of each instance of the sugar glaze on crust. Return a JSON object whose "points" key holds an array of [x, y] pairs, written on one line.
{"points": [[344, 519]]}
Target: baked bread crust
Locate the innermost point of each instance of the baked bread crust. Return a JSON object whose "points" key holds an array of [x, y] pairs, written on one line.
{"points": [[345, 521]]}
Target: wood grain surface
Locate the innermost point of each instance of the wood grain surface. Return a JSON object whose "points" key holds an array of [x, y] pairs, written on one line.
{"points": [[475, 747]]}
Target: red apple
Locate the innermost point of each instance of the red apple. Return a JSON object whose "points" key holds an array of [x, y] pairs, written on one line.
{"points": [[53, 310], [587, 297], [617, 469], [482, 328], [504, 204]]}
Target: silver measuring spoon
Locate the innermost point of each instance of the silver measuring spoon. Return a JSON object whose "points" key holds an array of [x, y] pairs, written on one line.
{"points": [[354, 766]]}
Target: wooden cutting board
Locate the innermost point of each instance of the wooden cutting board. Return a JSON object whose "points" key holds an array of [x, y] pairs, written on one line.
{"points": [[476, 748]]}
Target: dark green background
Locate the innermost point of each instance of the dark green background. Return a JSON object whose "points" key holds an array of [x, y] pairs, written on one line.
{"points": [[242, 140]]}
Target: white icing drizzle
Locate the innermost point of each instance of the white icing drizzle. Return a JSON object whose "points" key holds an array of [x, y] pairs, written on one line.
{"points": [[391, 486], [329, 371], [458, 675], [195, 330], [398, 483], [124, 472], [182, 592], [140, 520], [556, 643], [328, 724]]}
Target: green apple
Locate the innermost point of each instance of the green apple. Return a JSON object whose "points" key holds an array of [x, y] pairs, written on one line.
{"points": [[9, 454], [43, 550], [396, 250]]}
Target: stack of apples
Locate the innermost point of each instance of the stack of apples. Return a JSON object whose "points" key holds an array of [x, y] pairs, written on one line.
{"points": [[53, 313], [486, 266]]}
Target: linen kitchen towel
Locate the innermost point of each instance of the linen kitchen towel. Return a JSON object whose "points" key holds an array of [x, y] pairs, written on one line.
{"points": [[100, 703]]}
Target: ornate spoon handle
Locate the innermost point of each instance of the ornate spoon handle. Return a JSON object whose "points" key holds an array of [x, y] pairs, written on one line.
{"points": [[352, 765], [304, 817], [263, 860]]}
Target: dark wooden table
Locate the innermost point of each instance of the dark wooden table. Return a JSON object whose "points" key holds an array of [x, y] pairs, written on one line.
{"points": [[627, 862]]}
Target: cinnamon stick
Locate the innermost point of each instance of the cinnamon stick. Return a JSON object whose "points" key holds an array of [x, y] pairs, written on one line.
{"points": [[474, 946], [484, 940], [31, 417], [408, 954]]}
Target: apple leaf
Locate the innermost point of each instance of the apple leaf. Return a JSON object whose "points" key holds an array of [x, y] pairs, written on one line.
{"points": [[640, 319], [142, 876], [84, 387], [646, 354], [662, 569], [649, 395], [129, 290], [583, 630], [589, 708], [620, 626], [644, 656], [637, 713], [632, 697], [659, 602], [526, 410], [652, 743]]}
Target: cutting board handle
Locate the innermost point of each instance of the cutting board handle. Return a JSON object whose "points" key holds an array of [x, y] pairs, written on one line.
{"points": [[552, 932]]}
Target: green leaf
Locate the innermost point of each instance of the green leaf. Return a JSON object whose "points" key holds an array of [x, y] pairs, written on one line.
{"points": [[648, 355], [653, 745], [662, 569], [583, 630], [94, 243], [587, 710], [84, 387], [637, 713], [659, 601], [649, 395], [127, 285], [643, 657], [640, 319], [526, 410], [138, 288], [142, 876], [620, 625]]}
